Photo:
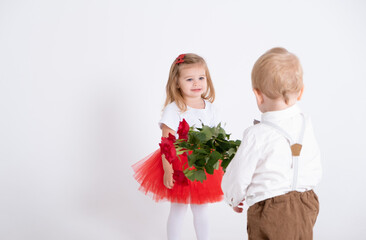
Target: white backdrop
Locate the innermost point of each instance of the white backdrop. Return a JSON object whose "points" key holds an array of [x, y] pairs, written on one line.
{"points": [[82, 85]]}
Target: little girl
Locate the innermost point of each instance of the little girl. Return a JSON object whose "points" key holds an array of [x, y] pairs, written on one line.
{"points": [[190, 94]]}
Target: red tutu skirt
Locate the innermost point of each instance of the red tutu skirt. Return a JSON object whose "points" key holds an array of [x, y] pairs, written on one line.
{"points": [[149, 173]]}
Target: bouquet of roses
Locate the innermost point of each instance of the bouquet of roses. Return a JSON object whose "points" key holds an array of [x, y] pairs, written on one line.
{"points": [[207, 148]]}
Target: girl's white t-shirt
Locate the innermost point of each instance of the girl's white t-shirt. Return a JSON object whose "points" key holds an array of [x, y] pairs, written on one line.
{"points": [[172, 115]]}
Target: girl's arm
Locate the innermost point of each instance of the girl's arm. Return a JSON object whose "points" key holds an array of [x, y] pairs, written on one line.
{"points": [[168, 168]]}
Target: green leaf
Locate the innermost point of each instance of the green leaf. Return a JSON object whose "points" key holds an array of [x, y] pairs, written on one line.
{"points": [[222, 131], [192, 159], [200, 175], [209, 169], [224, 164], [221, 136], [191, 176], [224, 145], [180, 152], [200, 162], [188, 172], [214, 157], [184, 145], [200, 151], [207, 131], [216, 165], [231, 151], [193, 139], [195, 175], [201, 137], [210, 144]]}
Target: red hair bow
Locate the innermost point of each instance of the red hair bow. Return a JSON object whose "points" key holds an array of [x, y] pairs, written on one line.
{"points": [[180, 59]]}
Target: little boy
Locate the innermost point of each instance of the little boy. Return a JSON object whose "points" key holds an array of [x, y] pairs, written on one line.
{"points": [[278, 163]]}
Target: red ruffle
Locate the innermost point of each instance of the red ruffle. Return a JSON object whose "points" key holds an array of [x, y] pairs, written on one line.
{"points": [[149, 173]]}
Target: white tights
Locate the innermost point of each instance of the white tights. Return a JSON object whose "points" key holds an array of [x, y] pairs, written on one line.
{"points": [[200, 220]]}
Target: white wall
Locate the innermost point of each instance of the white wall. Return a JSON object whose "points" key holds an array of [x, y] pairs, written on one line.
{"points": [[82, 88]]}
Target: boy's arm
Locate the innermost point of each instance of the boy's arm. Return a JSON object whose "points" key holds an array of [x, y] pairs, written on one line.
{"points": [[240, 171]]}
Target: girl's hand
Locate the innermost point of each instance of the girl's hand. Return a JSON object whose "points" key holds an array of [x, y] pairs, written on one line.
{"points": [[168, 169], [168, 178], [168, 173]]}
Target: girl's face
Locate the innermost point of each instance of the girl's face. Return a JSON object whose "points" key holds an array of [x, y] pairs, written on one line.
{"points": [[192, 80]]}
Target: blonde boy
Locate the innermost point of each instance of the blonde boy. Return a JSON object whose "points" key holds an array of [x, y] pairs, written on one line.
{"points": [[278, 163]]}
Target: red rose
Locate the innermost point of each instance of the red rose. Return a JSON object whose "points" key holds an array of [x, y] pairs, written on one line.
{"points": [[180, 178], [167, 148], [183, 129], [171, 138]]}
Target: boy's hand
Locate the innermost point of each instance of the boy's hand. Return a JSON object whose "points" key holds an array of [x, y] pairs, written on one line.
{"points": [[239, 208]]}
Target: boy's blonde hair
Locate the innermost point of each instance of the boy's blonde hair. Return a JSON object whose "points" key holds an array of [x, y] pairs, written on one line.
{"points": [[173, 92], [277, 74]]}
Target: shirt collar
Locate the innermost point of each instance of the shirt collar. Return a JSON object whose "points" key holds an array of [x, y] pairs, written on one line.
{"points": [[274, 116]]}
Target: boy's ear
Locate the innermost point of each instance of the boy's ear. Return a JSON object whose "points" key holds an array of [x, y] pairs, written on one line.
{"points": [[300, 93], [258, 95]]}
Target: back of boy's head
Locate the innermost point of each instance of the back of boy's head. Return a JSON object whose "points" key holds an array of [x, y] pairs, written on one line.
{"points": [[277, 74]]}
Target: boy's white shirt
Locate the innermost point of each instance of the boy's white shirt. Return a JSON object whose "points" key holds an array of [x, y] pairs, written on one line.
{"points": [[262, 166]]}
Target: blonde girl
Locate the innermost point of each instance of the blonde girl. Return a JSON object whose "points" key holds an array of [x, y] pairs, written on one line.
{"points": [[189, 95]]}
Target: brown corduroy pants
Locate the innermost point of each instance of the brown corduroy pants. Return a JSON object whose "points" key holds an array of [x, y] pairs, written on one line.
{"points": [[290, 216]]}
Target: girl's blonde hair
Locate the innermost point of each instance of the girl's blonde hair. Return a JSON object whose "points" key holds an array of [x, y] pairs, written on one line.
{"points": [[277, 74], [173, 92]]}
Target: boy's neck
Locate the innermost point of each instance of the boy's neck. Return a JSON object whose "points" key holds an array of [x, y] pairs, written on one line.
{"points": [[271, 105]]}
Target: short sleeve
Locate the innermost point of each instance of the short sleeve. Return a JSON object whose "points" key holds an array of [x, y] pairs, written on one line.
{"points": [[170, 117]]}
